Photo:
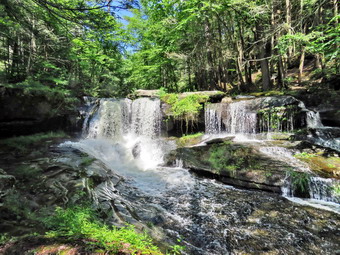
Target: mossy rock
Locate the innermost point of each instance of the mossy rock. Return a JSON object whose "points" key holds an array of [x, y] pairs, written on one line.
{"points": [[328, 167], [189, 140]]}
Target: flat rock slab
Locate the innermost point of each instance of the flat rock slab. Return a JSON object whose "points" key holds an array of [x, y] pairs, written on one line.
{"points": [[155, 93]]}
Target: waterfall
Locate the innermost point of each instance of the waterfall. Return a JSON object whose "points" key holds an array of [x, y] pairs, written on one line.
{"points": [[238, 119], [313, 119], [123, 133], [324, 189], [146, 117], [117, 117], [110, 120], [213, 118]]}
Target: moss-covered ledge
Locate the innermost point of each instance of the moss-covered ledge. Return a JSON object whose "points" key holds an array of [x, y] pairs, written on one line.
{"points": [[213, 95], [233, 164]]}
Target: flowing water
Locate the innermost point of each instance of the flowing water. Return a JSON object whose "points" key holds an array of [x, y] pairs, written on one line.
{"points": [[176, 206]]}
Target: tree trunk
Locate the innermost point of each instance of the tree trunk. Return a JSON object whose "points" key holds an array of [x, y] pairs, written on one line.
{"points": [[302, 60], [289, 25], [266, 84], [281, 73]]}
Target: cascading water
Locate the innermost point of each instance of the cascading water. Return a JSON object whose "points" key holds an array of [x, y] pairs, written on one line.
{"points": [[324, 189], [213, 118], [111, 120], [313, 119], [238, 119]]}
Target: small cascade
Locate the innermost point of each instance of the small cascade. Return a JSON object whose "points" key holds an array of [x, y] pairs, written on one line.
{"points": [[238, 119], [324, 189], [323, 193], [313, 119], [90, 107], [213, 118]]}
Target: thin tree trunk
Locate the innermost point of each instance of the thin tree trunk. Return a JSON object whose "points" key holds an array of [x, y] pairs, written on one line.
{"points": [[289, 25], [302, 60]]}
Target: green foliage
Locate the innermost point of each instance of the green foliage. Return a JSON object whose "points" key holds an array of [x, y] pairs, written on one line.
{"points": [[176, 250], [23, 143], [86, 161], [4, 238], [81, 222], [186, 108], [299, 180], [336, 190]]}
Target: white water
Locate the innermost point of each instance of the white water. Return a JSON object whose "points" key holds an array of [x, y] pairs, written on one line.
{"points": [[213, 118], [313, 119], [239, 119]]}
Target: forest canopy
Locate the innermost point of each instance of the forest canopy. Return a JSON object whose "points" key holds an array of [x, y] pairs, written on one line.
{"points": [[94, 48]]}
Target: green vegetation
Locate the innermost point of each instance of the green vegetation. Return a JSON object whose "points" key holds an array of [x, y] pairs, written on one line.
{"points": [[189, 139], [86, 161], [81, 222], [4, 238], [336, 190], [186, 108], [83, 48], [24, 143], [299, 181], [228, 158], [323, 165], [304, 155]]}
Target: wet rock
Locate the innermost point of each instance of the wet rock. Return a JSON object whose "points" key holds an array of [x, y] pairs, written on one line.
{"points": [[136, 150]]}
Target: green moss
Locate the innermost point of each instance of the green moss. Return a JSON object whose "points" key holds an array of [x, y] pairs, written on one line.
{"points": [[188, 140], [229, 158], [336, 190], [304, 155], [81, 222], [86, 161]]}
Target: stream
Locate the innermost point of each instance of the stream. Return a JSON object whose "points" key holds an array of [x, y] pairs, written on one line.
{"points": [[178, 207]]}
